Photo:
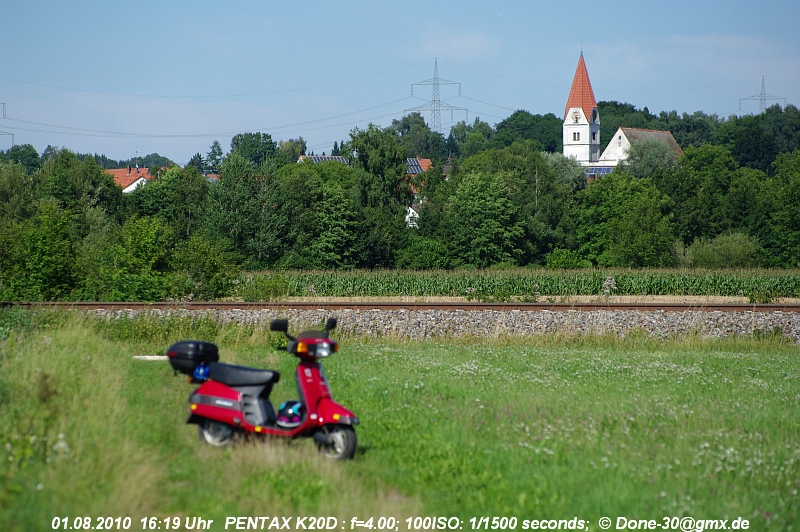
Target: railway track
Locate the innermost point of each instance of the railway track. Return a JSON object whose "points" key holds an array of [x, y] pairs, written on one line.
{"points": [[391, 305]]}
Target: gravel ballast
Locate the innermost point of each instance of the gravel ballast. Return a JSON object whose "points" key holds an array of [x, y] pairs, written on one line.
{"points": [[422, 324]]}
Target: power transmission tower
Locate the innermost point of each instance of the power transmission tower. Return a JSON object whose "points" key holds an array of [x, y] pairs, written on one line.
{"points": [[6, 132], [435, 106], [762, 98]]}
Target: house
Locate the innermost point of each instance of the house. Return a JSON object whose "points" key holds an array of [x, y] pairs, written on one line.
{"points": [[414, 165], [324, 159], [617, 149], [412, 216], [129, 179], [581, 130]]}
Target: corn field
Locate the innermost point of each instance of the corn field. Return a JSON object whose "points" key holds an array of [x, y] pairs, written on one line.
{"points": [[759, 286]]}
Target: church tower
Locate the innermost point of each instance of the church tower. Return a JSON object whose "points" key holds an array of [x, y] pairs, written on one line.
{"points": [[581, 121]]}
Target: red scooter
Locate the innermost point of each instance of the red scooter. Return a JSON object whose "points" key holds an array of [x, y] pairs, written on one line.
{"points": [[234, 400]]}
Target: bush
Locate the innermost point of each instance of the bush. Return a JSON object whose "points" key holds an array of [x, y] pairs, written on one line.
{"points": [[424, 254], [37, 256], [203, 268], [566, 259], [129, 263], [262, 287], [734, 250]]}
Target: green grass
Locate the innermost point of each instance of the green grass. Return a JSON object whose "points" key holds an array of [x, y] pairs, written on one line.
{"points": [[540, 428]]}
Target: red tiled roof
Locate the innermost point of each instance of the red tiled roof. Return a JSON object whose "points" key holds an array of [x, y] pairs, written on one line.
{"points": [[581, 94], [125, 177]]}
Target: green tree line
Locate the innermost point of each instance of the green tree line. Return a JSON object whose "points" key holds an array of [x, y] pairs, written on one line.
{"points": [[496, 196]]}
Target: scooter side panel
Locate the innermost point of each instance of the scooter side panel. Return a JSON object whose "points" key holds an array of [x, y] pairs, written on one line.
{"points": [[331, 412], [216, 389], [218, 402]]}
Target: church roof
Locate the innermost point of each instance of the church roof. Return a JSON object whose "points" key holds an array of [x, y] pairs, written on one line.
{"points": [[632, 134], [581, 94]]}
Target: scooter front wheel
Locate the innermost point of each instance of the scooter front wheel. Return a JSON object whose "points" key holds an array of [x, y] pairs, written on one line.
{"points": [[215, 433], [342, 442]]}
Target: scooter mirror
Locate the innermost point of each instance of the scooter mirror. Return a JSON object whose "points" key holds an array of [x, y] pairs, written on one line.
{"points": [[330, 324], [279, 325]]}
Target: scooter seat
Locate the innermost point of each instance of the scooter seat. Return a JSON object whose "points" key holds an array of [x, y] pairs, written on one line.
{"points": [[241, 375]]}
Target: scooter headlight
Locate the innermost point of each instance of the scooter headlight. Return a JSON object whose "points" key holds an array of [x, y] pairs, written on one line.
{"points": [[323, 350], [315, 348]]}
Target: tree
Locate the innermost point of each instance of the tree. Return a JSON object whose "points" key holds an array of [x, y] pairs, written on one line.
{"points": [[176, 198], [780, 235], [49, 153], [469, 139], [203, 266], [783, 126], [197, 162], [379, 153], [17, 194], [311, 219], [214, 157], [78, 185], [24, 155], [418, 139], [254, 147], [743, 211], [566, 170], [152, 161], [435, 193], [133, 265], [699, 186], [289, 151], [545, 131], [748, 142], [238, 210], [648, 157], [541, 202], [482, 222], [625, 221], [689, 130], [37, 259]]}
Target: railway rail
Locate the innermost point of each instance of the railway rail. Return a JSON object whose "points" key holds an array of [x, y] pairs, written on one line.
{"points": [[393, 305]]}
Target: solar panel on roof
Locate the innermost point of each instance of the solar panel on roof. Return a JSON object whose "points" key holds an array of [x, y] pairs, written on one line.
{"points": [[413, 166], [598, 171]]}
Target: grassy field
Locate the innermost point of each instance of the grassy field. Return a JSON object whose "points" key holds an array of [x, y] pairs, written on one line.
{"points": [[757, 285], [546, 428]]}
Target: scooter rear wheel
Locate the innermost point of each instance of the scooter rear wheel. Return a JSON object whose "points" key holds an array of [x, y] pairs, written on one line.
{"points": [[343, 442], [215, 433]]}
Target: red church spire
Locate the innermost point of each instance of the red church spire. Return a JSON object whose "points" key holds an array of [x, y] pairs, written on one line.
{"points": [[581, 94]]}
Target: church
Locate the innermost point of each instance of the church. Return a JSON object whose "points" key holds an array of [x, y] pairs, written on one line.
{"points": [[581, 130]]}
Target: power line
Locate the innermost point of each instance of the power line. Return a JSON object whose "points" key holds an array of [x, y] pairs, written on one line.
{"points": [[561, 87], [242, 95], [488, 103], [87, 132]]}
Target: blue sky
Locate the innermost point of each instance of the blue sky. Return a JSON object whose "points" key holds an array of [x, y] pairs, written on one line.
{"points": [[172, 76]]}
